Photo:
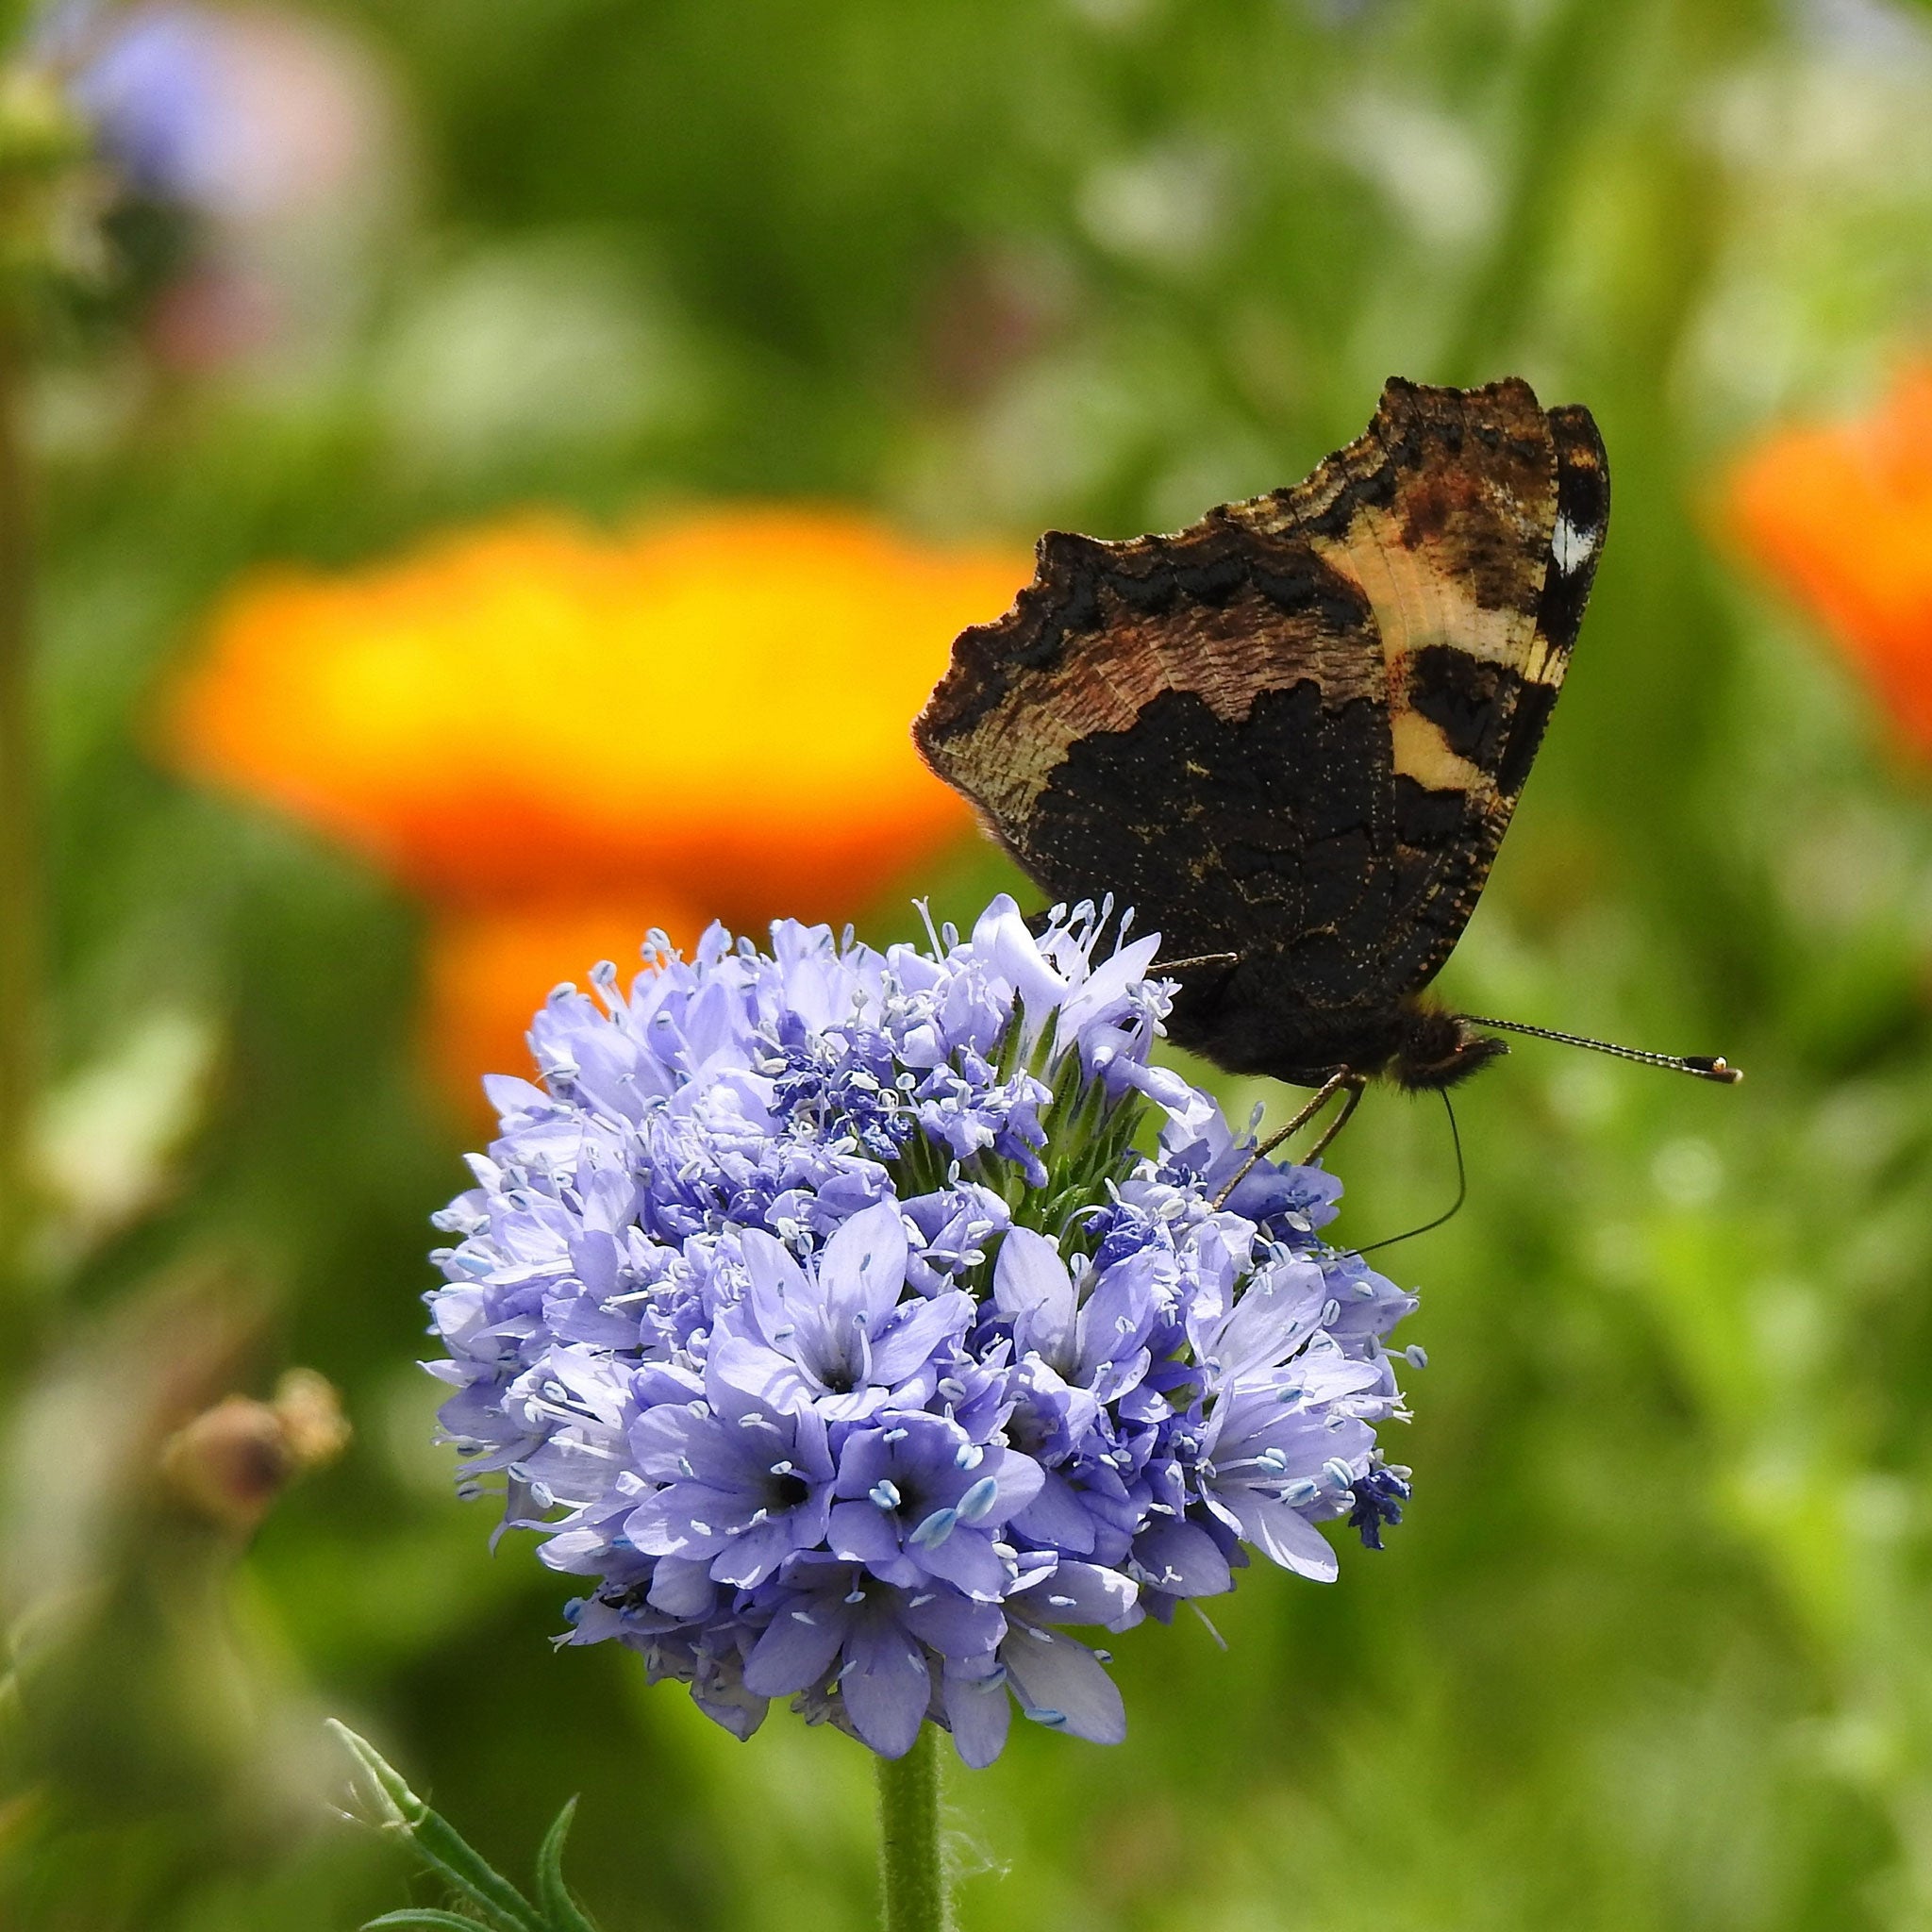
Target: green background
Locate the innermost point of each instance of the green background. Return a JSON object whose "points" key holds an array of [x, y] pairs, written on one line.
{"points": [[1655, 1648]]}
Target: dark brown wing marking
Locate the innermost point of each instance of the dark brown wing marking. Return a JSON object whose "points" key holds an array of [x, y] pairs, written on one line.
{"points": [[1108, 726]]}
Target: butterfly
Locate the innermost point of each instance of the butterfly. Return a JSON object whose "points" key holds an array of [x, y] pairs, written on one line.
{"points": [[1292, 735]]}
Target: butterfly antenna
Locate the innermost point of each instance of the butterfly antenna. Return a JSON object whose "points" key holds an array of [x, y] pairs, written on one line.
{"points": [[1718, 1068], [1454, 1209]]}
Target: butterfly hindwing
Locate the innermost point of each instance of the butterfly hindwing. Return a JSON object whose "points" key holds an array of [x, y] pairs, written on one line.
{"points": [[1295, 731], [1150, 720]]}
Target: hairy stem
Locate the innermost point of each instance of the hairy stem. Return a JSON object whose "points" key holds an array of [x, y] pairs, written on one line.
{"points": [[913, 1880]]}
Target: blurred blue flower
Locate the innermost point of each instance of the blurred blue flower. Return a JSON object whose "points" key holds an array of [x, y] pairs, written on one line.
{"points": [[244, 114], [154, 88], [821, 1308]]}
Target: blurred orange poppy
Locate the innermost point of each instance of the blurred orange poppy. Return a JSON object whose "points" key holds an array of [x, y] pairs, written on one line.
{"points": [[561, 738], [1841, 515]]}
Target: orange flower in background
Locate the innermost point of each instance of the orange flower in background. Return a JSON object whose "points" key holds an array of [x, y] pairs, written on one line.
{"points": [[561, 738], [1841, 515]]}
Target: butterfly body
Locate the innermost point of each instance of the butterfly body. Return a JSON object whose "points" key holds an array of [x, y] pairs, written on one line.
{"points": [[1251, 1022], [1292, 735]]}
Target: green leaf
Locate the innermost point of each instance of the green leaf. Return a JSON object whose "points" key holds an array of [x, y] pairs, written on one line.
{"points": [[438, 1844], [442, 1848], [422, 1915], [560, 1909]]}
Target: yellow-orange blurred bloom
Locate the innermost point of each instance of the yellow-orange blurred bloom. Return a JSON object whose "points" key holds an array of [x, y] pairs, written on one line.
{"points": [[1841, 515], [719, 704], [561, 738]]}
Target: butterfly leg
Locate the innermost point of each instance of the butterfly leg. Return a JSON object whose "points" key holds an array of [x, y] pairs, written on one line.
{"points": [[1342, 1115], [1323, 1094]]}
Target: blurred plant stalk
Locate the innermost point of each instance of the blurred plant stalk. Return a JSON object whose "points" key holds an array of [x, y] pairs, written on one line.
{"points": [[41, 143], [19, 868]]}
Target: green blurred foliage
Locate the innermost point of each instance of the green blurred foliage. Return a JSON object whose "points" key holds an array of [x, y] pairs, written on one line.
{"points": [[1655, 1649]]}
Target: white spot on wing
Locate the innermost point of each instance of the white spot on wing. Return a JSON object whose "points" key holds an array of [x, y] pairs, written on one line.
{"points": [[1572, 548]]}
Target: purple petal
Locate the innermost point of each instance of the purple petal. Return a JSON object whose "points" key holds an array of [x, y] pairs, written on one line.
{"points": [[728, 1702], [966, 1558], [811, 1447], [1115, 1316], [1018, 1481], [888, 1686], [853, 1407], [862, 1271], [1056, 1517], [866, 1457], [660, 1440], [1285, 1536], [752, 1557], [1272, 1315], [759, 1373], [777, 1283], [955, 1626], [1324, 1373], [577, 1552], [1182, 1559], [1031, 1283], [860, 1533], [682, 1587], [1000, 936], [797, 1646], [917, 1332], [980, 1712], [1062, 1683], [1103, 989], [1079, 1593], [685, 1519]]}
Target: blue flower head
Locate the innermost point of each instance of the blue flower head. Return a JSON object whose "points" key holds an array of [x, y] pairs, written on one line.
{"points": [[864, 1325]]}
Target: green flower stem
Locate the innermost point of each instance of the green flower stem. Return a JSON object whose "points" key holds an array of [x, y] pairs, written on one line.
{"points": [[911, 1877]]}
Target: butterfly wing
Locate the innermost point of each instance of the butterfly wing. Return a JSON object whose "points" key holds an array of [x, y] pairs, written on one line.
{"points": [[1147, 721], [1295, 731]]}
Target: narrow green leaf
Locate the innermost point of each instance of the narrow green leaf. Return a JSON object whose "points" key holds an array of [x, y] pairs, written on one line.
{"points": [[1009, 1056], [422, 1915], [442, 1848], [559, 1909], [397, 1803], [438, 1844]]}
